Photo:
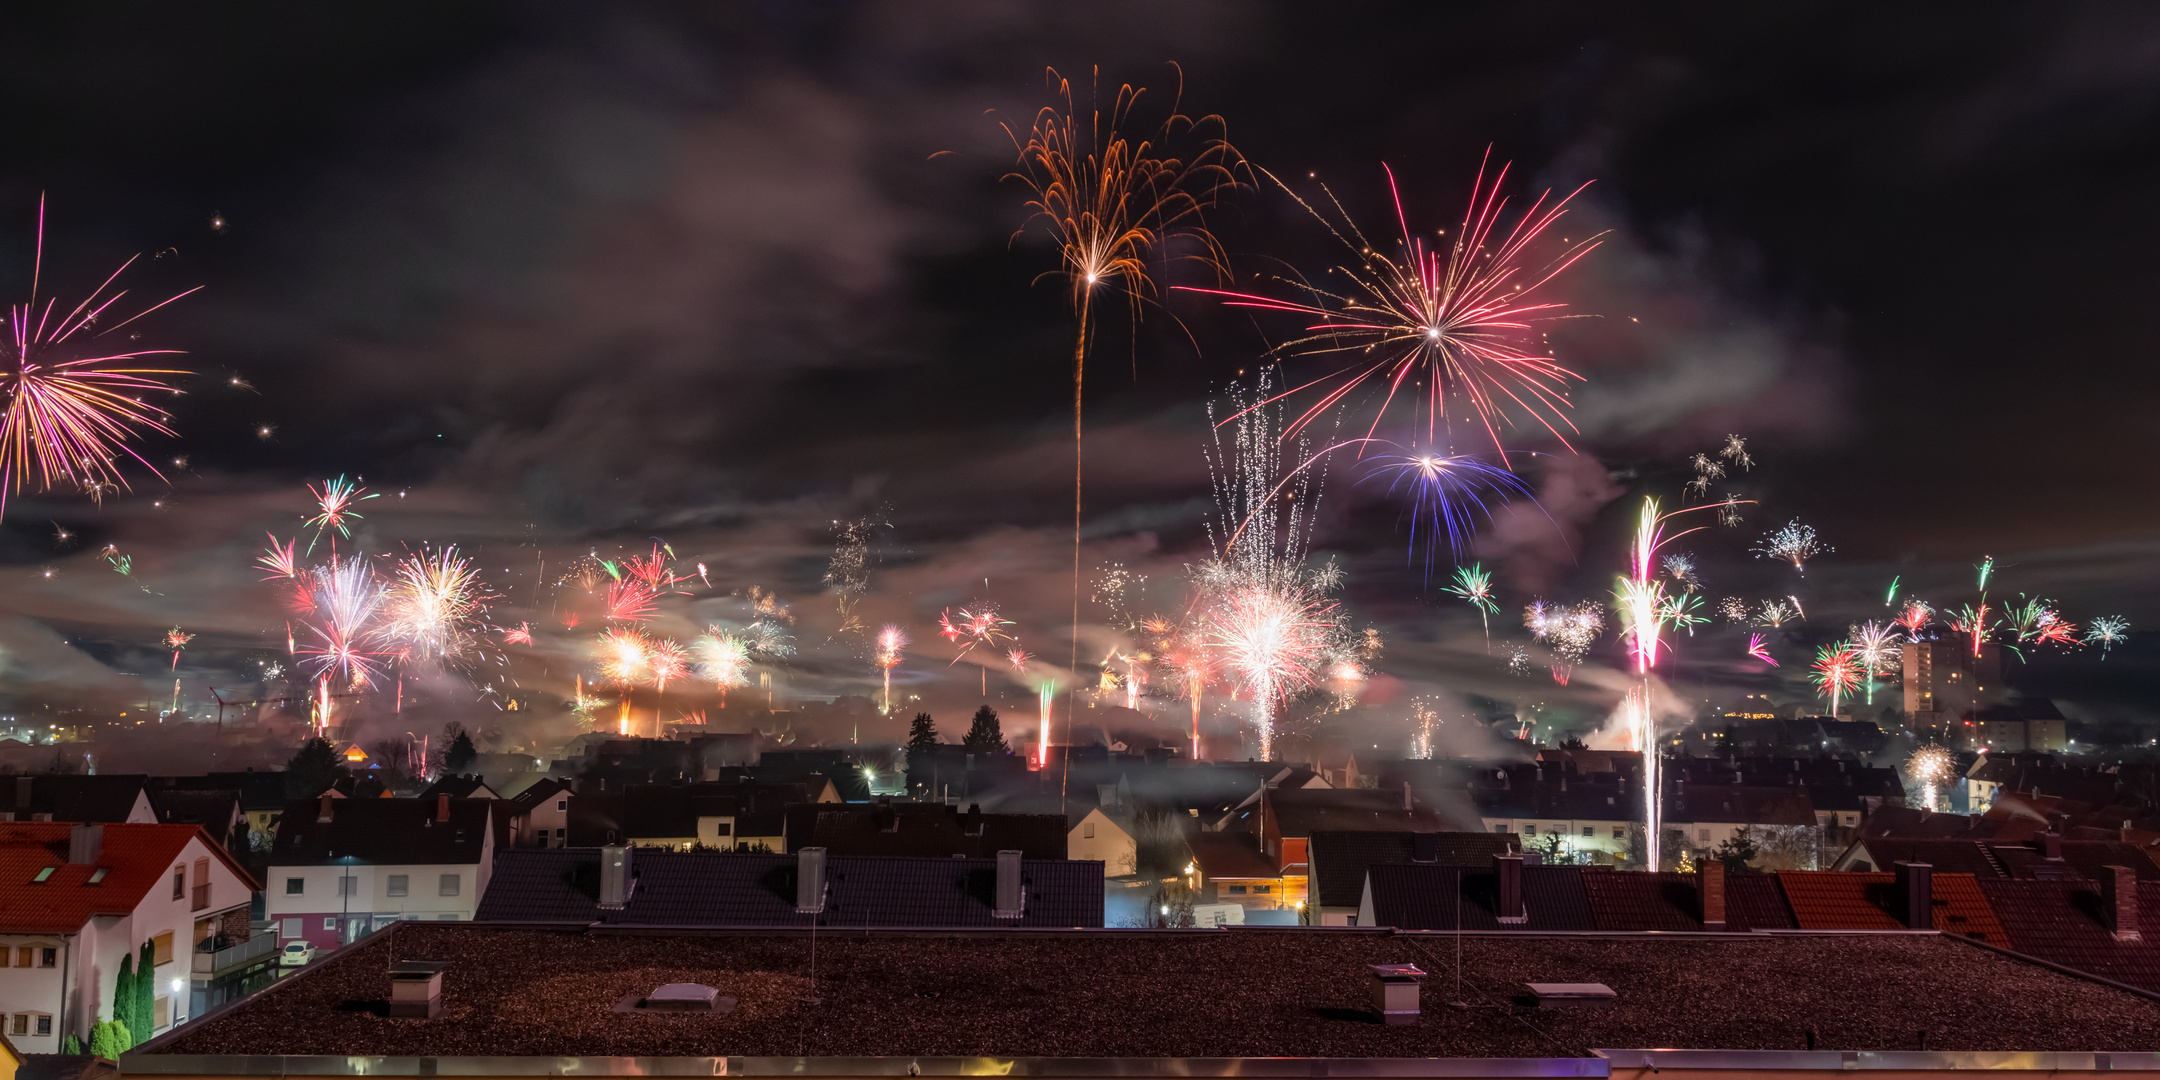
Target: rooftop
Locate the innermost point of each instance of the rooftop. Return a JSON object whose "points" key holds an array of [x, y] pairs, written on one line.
{"points": [[537, 992]]}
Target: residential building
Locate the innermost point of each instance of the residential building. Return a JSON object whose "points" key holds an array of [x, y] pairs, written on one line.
{"points": [[342, 868], [1281, 821], [1335, 884], [726, 889], [1230, 868], [76, 899], [2033, 724], [1100, 837], [926, 829], [1946, 679], [98, 799], [1779, 820], [540, 814]]}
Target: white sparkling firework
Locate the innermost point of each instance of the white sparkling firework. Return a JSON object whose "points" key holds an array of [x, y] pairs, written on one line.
{"points": [[1794, 543]]}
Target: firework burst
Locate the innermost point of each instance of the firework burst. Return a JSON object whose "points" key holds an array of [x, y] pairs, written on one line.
{"points": [[631, 600], [891, 646], [1837, 671], [434, 605], [1875, 646], [1759, 650], [1933, 768], [1448, 495], [1567, 631], [1915, 618], [2106, 631], [1472, 583], [334, 502], [71, 404], [346, 598], [1794, 543], [1454, 321], [1271, 639]]}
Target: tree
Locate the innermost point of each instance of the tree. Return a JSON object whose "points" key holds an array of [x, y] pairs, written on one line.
{"points": [[922, 740], [109, 1039], [458, 750], [1737, 851], [1573, 742], [123, 1003], [984, 735], [395, 758], [145, 992], [313, 769], [240, 840], [71, 1045]]}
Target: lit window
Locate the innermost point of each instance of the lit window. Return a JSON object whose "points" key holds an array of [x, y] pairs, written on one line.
{"points": [[1589, 831], [1529, 829]]}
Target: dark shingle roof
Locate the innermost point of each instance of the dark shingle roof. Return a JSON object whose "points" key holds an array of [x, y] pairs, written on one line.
{"points": [[934, 829], [381, 831], [1301, 812], [1339, 858], [2059, 921], [1414, 897], [1233, 855], [562, 885], [1673, 901]]}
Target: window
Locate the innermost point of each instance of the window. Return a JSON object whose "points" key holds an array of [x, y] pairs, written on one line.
{"points": [[293, 928], [23, 956], [179, 883], [48, 958], [449, 886], [1502, 827], [1237, 890], [447, 916], [97, 875], [202, 872], [42, 876], [1087, 830], [1263, 888], [22, 1024], [329, 922], [295, 886], [400, 884], [348, 886], [44, 1025], [1702, 836], [1589, 831], [162, 1016], [162, 948], [1619, 832], [1529, 828], [562, 804]]}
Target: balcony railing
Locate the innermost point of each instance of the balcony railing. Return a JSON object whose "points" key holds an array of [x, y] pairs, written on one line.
{"points": [[217, 955], [202, 897]]}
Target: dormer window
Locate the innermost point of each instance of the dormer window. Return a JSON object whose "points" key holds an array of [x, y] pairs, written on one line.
{"points": [[43, 875], [97, 875]]}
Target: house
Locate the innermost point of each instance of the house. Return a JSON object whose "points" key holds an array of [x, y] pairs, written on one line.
{"points": [[1100, 837], [928, 829], [727, 889], [1040, 1003], [343, 867], [2109, 927], [77, 898], [1230, 868], [2045, 857], [540, 814], [1285, 818], [469, 786], [1590, 818], [1781, 820], [217, 811], [93, 799], [1502, 895], [1707, 900], [1335, 885]]}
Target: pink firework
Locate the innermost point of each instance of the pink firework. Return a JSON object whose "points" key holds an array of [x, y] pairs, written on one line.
{"points": [[520, 636], [1757, 649], [1452, 320], [1915, 617], [280, 559], [68, 404], [1272, 639], [652, 570], [666, 662], [891, 645], [631, 601]]}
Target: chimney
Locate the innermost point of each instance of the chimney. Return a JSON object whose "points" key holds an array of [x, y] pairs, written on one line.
{"points": [[1710, 883], [2051, 845], [86, 844], [323, 815], [810, 881], [25, 787], [416, 988], [442, 809], [1406, 796], [1509, 869], [616, 882], [1916, 890], [2118, 902], [974, 824], [1011, 894], [1395, 992]]}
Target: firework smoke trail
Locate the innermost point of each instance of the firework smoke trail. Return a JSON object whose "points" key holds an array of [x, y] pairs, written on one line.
{"points": [[1568, 631], [1794, 543], [334, 509], [1837, 671], [891, 643], [1462, 323], [1644, 614], [1932, 767], [69, 409], [1448, 491], [1271, 637], [2106, 631], [1759, 651], [176, 640], [1472, 583], [1875, 646], [1110, 198]]}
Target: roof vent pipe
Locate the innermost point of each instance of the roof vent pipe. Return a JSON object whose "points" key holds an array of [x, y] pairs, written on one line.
{"points": [[810, 881], [1509, 870], [1011, 892], [1395, 992]]}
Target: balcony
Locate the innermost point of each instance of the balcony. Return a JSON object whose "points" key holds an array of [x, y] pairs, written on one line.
{"points": [[218, 955], [202, 897]]}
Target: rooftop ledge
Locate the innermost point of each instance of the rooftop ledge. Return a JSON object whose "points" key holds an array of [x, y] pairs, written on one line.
{"points": [[1605, 1064]]}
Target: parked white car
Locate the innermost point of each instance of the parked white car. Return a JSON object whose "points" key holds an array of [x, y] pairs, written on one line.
{"points": [[295, 954]]}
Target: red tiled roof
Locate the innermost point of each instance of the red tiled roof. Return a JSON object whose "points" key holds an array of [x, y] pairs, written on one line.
{"points": [[2059, 921], [1842, 900], [1632, 900], [137, 858]]}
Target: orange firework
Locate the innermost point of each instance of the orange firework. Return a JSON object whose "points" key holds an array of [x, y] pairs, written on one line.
{"points": [[69, 405], [1109, 198]]}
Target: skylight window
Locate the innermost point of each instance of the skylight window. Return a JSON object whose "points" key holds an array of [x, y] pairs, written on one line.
{"points": [[98, 875], [42, 875]]}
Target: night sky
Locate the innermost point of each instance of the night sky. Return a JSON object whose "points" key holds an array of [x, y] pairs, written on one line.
{"points": [[558, 279]]}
